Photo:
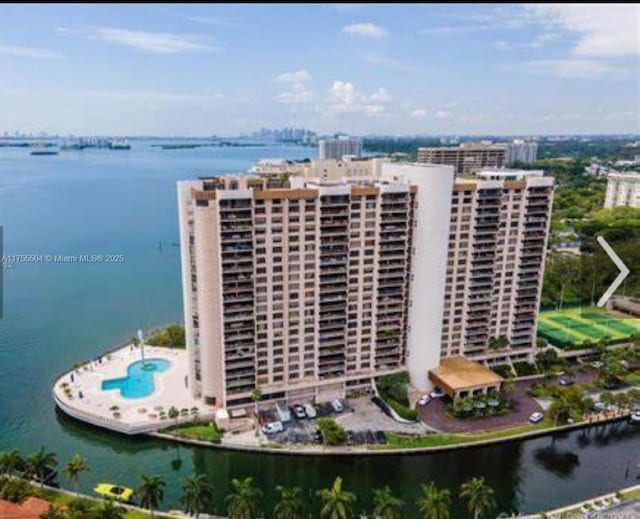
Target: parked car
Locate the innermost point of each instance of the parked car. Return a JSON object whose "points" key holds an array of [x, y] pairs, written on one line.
{"points": [[635, 417], [536, 417], [351, 439], [424, 400], [612, 384], [565, 381], [310, 410], [317, 437], [116, 492], [436, 393], [599, 406], [273, 427], [299, 412], [338, 407]]}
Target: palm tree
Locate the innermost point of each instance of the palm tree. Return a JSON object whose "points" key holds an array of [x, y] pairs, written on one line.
{"points": [[290, 505], [479, 496], [196, 494], [386, 505], [256, 396], [336, 503], [40, 464], [54, 512], [76, 466], [9, 461], [244, 500], [108, 511], [434, 503], [151, 492]]}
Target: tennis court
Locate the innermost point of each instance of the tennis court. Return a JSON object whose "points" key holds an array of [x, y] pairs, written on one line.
{"points": [[574, 326]]}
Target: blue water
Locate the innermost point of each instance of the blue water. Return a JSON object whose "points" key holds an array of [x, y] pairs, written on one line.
{"points": [[139, 380], [58, 314]]}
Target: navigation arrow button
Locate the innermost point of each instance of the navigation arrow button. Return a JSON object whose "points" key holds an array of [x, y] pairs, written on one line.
{"points": [[624, 271]]}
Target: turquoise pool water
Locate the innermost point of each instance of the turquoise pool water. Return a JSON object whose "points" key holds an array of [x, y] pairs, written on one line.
{"points": [[139, 380]]}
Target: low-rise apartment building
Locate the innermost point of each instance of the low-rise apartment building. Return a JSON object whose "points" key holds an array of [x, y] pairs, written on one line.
{"points": [[623, 190], [468, 157]]}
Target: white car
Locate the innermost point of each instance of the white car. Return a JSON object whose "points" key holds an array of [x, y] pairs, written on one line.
{"points": [[424, 400], [635, 417], [536, 417], [273, 427], [310, 410], [337, 406], [300, 412], [436, 393]]}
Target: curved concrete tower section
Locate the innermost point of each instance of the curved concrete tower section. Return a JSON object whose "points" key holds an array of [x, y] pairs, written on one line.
{"points": [[429, 264]]}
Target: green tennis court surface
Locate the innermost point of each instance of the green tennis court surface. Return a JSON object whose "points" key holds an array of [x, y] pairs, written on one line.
{"points": [[572, 327]]}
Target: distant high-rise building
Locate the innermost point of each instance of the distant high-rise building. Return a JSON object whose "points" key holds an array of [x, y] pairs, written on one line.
{"points": [[338, 148], [521, 151], [623, 189], [469, 157]]}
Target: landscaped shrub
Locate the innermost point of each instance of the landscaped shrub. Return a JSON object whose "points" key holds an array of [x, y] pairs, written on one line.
{"points": [[332, 432], [524, 369], [403, 411], [14, 490], [503, 370], [171, 336], [393, 389]]}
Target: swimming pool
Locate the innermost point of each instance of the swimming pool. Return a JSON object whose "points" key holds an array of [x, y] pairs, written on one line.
{"points": [[139, 380]]}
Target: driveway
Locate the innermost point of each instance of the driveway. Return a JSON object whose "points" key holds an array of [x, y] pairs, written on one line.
{"points": [[522, 406]]}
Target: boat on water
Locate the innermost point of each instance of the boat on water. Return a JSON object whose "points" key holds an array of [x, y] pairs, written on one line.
{"points": [[119, 144], [116, 492], [45, 151]]}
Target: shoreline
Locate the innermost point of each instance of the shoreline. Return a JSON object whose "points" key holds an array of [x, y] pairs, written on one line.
{"points": [[382, 451]]}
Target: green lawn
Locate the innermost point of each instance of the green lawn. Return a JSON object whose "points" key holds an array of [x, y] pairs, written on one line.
{"points": [[572, 327], [198, 431], [399, 441], [58, 498]]}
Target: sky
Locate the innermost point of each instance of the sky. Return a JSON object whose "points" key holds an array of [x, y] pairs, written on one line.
{"points": [[181, 69]]}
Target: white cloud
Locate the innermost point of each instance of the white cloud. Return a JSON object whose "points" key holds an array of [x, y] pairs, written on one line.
{"points": [[444, 114], [419, 112], [156, 42], [18, 51], [577, 68], [603, 30], [536, 43], [299, 76], [297, 91], [366, 30], [344, 98]]}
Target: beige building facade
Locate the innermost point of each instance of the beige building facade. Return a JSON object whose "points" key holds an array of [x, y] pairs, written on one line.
{"points": [[308, 285]]}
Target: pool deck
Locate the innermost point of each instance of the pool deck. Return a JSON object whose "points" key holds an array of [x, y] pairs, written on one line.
{"points": [[133, 416]]}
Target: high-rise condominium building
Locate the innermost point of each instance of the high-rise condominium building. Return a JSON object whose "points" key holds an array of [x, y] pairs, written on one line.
{"points": [[623, 189], [497, 246], [469, 157], [521, 151], [338, 148], [309, 286]]}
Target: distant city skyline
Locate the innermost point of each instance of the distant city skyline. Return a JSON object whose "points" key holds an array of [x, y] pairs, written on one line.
{"points": [[196, 70]]}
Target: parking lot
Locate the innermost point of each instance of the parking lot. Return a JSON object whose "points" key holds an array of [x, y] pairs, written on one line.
{"points": [[365, 424]]}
